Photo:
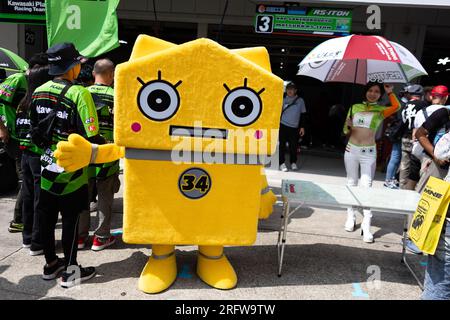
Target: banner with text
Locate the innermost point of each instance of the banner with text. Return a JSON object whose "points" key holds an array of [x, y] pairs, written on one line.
{"points": [[301, 20], [28, 12]]}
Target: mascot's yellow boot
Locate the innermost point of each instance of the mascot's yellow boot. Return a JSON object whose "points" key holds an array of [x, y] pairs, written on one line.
{"points": [[214, 268], [160, 271]]}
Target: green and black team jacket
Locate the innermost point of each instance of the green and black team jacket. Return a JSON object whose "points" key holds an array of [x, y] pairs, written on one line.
{"points": [[104, 103], [12, 90], [77, 115]]}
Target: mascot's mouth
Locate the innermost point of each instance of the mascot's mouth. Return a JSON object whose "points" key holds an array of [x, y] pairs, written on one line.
{"points": [[198, 132]]}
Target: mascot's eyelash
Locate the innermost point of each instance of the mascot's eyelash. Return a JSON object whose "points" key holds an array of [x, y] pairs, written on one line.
{"points": [[245, 86], [159, 78]]}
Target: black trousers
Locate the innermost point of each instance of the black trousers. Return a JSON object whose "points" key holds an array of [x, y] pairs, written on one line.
{"points": [[13, 150], [31, 187], [70, 206], [289, 135], [19, 200]]}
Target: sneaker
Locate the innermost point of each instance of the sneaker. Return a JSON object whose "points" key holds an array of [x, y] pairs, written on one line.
{"points": [[411, 247], [15, 227], [52, 272], [394, 185], [294, 166], [100, 244], [396, 182], [26, 246], [81, 243], [390, 184], [283, 168], [35, 251], [69, 279]]}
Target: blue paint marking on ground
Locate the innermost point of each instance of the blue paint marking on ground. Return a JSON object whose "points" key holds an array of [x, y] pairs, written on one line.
{"points": [[358, 292], [424, 263], [185, 273]]}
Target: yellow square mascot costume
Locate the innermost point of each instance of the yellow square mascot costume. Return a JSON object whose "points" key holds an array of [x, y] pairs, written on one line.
{"points": [[193, 122]]}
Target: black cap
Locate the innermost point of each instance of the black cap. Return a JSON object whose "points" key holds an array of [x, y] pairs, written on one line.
{"points": [[62, 57], [291, 85]]}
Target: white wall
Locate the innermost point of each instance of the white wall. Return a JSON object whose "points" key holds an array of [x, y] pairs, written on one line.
{"points": [[9, 36]]}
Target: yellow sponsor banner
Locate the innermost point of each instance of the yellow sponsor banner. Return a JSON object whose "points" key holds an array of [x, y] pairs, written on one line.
{"points": [[430, 214]]}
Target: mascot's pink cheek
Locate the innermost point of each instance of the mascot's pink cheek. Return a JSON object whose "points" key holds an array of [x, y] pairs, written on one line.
{"points": [[136, 127], [258, 134]]}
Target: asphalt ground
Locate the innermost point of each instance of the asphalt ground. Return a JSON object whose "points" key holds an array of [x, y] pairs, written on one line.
{"points": [[322, 261]]}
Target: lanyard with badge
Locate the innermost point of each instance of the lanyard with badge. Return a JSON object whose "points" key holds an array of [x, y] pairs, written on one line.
{"points": [[289, 105]]}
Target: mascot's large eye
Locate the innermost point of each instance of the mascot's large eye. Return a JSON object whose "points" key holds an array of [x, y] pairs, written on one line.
{"points": [[158, 99], [242, 106]]}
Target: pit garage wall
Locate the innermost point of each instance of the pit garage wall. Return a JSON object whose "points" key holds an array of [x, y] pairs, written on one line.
{"points": [[401, 24], [25, 40], [9, 36]]}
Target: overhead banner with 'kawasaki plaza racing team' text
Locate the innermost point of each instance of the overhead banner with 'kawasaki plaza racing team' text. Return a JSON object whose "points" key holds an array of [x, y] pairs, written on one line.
{"points": [[28, 12]]}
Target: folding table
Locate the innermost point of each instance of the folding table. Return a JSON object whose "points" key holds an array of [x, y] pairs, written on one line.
{"points": [[400, 202]]}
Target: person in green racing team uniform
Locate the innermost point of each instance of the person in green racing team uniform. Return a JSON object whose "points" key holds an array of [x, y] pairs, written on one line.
{"points": [[59, 108]]}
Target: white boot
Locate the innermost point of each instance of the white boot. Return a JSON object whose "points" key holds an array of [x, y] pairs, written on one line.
{"points": [[351, 220], [365, 227]]}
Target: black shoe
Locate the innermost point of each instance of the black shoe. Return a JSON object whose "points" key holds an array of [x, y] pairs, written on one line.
{"points": [[52, 272], [70, 279]]}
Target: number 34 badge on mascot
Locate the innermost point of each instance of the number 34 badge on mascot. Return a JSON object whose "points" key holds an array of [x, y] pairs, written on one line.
{"points": [[190, 120]]}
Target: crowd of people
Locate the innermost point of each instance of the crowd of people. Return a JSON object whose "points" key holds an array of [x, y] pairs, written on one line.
{"points": [[416, 123], [59, 94], [420, 120]]}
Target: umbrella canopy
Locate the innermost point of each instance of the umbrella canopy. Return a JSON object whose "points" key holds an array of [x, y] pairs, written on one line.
{"points": [[11, 61], [360, 59]]}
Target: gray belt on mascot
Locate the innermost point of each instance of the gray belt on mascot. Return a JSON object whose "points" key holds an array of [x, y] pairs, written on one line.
{"points": [[180, 156]]}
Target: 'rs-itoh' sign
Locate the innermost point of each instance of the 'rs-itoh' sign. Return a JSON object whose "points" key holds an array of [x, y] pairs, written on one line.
{"points": [[22, 11], [301, 20]]}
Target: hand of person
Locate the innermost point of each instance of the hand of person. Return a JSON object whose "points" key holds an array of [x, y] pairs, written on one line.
{"points": [[388, 88], [301, 132], [4, 135]]}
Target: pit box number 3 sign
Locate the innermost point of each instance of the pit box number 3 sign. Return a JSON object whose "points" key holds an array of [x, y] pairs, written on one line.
{"points": [[264, 23]]}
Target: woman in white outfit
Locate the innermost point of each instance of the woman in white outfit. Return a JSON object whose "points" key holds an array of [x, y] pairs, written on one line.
{"points": [[363, 121]]}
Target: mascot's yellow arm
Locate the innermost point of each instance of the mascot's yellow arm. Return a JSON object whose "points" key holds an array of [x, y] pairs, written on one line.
{"points": [[268, 199], [77, 152]]}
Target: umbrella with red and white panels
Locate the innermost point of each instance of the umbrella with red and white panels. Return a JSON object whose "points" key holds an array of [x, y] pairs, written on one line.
{"points": [[361, 59]]}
